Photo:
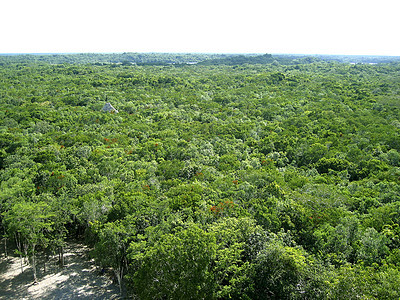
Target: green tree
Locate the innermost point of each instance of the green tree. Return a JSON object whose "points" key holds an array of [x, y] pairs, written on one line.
{"points": [[279, 271], [238, 242], [111, 248], [176, 266], [372, 247], [31, 222]]}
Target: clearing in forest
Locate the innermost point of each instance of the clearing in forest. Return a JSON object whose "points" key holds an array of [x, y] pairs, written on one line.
{"points": [[78, 279]]}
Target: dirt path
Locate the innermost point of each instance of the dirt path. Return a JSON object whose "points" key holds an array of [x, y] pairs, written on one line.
{"points": [[77, 280]]}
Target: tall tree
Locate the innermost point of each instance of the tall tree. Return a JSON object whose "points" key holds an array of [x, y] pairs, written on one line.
{"points": [[31, 223]]}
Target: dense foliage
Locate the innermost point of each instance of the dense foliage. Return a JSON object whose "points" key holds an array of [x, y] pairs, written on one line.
{"points": [[214, 181]]}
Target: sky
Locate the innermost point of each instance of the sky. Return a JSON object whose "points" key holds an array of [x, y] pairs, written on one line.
{"points": [[352, 27]]}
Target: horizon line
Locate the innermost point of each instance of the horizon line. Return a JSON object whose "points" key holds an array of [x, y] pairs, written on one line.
{"points": [[171, 52]]}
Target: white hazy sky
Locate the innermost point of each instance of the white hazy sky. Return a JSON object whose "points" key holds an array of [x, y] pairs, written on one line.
{"points": [[214, 26]]}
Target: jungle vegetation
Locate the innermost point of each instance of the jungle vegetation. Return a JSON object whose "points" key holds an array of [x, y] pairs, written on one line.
{"points": [[244, 177]]}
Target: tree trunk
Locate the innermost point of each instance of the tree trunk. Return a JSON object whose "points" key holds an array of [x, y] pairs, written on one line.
{"points": [[119, 274], [22, 262], [34, 264], [25, 247], [5, 242], [62, 256], [46, 258], [119, 279], [19, 246], [5, 247]]}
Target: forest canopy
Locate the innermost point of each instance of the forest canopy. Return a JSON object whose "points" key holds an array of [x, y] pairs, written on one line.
{"points": [[220, 176]]}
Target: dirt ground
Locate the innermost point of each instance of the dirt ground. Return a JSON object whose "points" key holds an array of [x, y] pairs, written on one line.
{"points": [[78, 279]]}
